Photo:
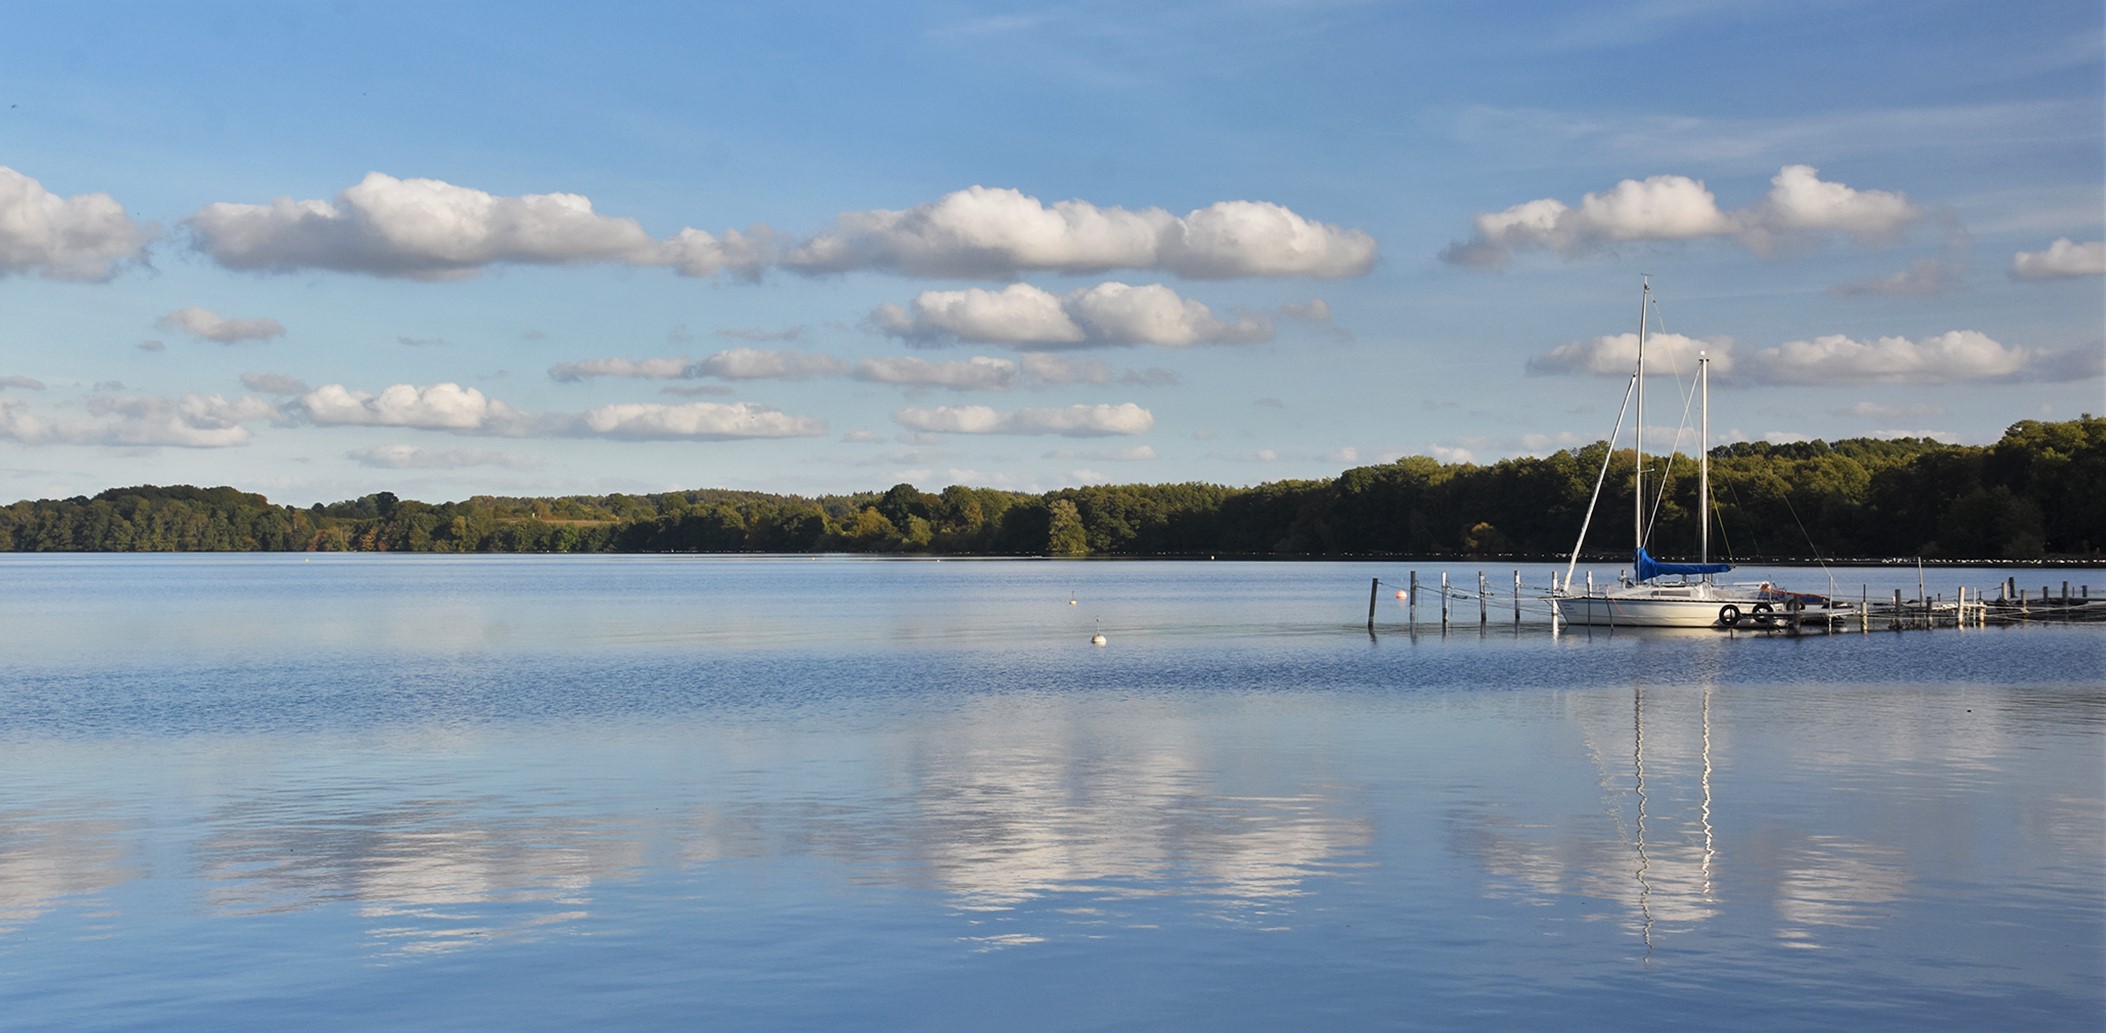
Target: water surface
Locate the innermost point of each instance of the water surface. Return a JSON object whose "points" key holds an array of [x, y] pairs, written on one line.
{"points": [[266, 792]]}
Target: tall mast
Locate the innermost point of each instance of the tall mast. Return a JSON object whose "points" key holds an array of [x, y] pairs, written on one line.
{"points": [[1703, 365], [1638, 508]]}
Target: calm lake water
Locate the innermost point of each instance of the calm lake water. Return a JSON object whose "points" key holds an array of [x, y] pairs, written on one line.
{"points": [[560, 793]]}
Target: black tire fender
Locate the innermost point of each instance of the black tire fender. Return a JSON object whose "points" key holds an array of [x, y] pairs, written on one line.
{"points": [[1762, 614], [1729, 615]]}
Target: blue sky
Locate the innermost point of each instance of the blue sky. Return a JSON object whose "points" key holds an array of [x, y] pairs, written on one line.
{"points": [[320, 250]]}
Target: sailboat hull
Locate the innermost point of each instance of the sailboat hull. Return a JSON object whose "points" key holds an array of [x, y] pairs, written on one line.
{"points": [[1693, 606]]}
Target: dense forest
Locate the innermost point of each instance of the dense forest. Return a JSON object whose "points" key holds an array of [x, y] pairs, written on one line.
{"points": [[2040, 492]]}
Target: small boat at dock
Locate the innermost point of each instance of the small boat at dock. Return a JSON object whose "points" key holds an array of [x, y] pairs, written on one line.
{"points": [[1642, 597]]}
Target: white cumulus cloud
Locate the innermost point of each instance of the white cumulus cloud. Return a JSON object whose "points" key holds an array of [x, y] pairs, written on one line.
{"points": [[1155, 314], [2063, 260], [1230, 239], [712, 421], [1956, 357], [1072, 421], [445, 406], [431, 229], [190, 421], [998, 232], [465, 410], [1799, 201], [1617, 355], [1016, 314], [1103, 314], [86, 237], [211, 326], [1669, 207]]}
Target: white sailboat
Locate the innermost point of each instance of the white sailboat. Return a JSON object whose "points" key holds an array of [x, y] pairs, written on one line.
{"points": [[1694, 599]]}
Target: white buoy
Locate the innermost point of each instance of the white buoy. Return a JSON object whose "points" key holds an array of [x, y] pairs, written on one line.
{"points": [[1098, 638]]}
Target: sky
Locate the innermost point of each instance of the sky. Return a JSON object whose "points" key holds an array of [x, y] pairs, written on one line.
{"points": [[319, 250]]}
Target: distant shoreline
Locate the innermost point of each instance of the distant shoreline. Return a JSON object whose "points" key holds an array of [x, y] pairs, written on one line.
{"points": [[2038, 496], [1484, 562]]}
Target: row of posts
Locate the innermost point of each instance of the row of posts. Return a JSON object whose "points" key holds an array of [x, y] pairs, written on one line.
{"points": [[2010, 591], [1411, 600]]}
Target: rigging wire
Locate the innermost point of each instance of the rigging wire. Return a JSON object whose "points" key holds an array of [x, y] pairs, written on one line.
{"points": [[1808, 535]]}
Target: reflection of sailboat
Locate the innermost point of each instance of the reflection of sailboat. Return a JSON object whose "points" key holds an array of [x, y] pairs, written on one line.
{"points": [[1642, 600], [1659, 863], [1679, 880]]}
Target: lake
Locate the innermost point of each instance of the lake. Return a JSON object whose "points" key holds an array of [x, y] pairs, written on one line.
{"points": [[267, 792]]}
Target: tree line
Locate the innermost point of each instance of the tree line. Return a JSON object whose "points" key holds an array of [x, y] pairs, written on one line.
{"points": [[2039, 492]]}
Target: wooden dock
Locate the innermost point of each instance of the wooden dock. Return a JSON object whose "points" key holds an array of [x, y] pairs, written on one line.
{"points": [[1968, 608]]}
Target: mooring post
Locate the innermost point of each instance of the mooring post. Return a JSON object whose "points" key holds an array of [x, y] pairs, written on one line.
{"points": [[1517, 598], [1411, 602], [1864, 608], [1444, 600], [1372, 591], [2022, 602], [1897, 609], [1483, 596]]}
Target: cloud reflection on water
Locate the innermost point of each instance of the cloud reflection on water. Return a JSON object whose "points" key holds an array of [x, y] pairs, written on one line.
{"points": [[1029, 819], [47, 857], [1028, 825]]}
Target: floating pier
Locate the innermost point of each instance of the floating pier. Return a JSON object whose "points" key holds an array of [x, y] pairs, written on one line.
{"points": [[1967, 607]]}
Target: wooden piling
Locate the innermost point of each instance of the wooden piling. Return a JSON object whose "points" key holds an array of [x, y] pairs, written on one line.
{"points": [[1483, 601], [1517, 598], [1897, 610], [1411, 602], [1373, 590], [1444, 600]]}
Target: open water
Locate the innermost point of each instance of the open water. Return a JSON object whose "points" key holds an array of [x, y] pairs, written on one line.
{"points": [[560, 793]]}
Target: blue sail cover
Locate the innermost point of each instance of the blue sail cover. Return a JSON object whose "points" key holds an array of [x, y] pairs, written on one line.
{"points": [[1650, 568]]}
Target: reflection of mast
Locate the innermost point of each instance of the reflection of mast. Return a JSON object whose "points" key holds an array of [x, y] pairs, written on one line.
{"points": [[1645, 887], [1706, 811]]}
